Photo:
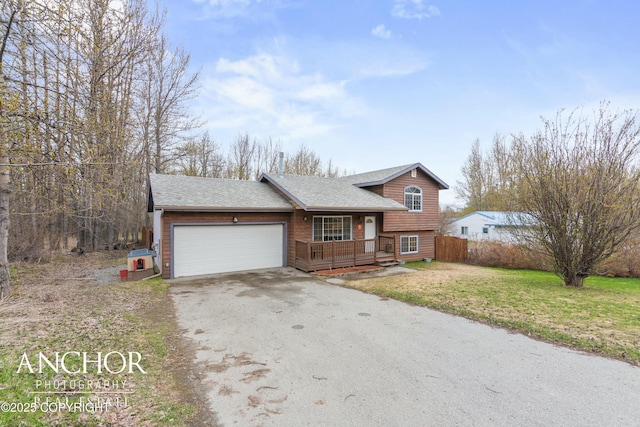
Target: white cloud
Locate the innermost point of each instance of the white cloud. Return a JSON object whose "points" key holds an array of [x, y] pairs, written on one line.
{"points": [[255, 10], [270, 95], [224, 8], [414, 9], [364, 59], [388, 68], [262, 67], [381, 31]]}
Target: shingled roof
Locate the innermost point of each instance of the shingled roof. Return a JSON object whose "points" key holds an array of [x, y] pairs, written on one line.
{"points": [[177, 192], [313, 193], [271, 191], [382, 176]]}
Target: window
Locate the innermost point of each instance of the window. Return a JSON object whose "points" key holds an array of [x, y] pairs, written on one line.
{"points": [[408, 244], [413, 198], [464, 231], [327, 228], [485, 230]]}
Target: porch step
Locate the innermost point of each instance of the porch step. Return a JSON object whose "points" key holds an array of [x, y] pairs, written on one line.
{"points": [[389, 263]]}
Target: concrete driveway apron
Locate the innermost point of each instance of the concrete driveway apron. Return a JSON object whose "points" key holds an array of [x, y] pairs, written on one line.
{"points": [[282, 348]]}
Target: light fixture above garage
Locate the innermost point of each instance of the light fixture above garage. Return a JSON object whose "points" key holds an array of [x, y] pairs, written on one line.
{"points": [[235, 219]]}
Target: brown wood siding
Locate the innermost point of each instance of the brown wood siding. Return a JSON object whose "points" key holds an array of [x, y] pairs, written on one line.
{"points": [[303, 229], [176, 218], [426, 245], [400, 221], [378, 189]]}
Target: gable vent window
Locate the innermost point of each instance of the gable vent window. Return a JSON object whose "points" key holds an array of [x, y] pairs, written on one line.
{"points": [[414, 173], [413, 199]]}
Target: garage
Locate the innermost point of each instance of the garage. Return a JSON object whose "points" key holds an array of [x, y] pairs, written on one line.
{"points": [[210, 249]]}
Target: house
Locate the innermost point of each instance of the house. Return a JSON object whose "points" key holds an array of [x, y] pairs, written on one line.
{"points": [[205, 225], [488, 225]]}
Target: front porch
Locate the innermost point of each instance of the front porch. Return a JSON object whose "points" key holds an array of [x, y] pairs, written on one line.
{"points": [[313, 256]]}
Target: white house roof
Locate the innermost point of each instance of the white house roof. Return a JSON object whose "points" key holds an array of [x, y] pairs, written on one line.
{"points": [[499, 218], [193, 193], [314, 193]]}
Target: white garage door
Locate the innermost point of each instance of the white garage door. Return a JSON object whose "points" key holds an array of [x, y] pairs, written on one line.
{"points": [[209, 249]]}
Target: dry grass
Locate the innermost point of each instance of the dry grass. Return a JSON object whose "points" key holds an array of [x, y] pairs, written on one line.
{"points": [[603, 317], [58, 307]]}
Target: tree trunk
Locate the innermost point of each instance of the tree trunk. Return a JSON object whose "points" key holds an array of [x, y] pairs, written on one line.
{"points": [[5, 177], [4, 223], [5, 182], [574, 280]]}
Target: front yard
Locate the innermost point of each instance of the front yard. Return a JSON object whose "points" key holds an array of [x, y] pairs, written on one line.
{"points": [[65, 308], [603, 317], [61, 308]]}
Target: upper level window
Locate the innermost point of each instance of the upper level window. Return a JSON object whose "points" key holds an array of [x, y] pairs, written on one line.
{"points": [[464, 230], [413, 198]]}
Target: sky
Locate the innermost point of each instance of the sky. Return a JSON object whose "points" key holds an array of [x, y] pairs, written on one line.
{"points": [[372, 84]]}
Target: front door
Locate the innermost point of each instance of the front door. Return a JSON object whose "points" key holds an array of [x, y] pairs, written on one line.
{"points": [[370, 232]]}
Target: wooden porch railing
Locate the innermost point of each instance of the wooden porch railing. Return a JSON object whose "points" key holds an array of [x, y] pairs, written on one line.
{"points": [[387, 244], [313, 256]]}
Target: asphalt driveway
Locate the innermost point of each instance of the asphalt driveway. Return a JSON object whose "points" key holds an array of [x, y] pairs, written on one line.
{"points": [[280, 347]]}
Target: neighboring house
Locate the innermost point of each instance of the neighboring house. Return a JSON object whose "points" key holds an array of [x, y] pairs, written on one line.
{"points": [[205, 225], [487, 225]]}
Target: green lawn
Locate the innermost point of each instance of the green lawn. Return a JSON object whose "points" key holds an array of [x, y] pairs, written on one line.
{"points": [[603, 317]]}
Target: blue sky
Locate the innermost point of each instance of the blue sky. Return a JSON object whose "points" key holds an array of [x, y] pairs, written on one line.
{"points": [[379, 83]]}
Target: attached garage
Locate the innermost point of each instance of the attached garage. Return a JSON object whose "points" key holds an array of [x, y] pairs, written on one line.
{"points": [[209, 249]]}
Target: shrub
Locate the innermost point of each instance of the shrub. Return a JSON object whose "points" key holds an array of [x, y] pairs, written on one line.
{"points": [[624, 263]]}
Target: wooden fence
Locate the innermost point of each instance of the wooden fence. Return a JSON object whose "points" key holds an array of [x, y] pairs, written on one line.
{"points": [[147, 237], [451, 249]]}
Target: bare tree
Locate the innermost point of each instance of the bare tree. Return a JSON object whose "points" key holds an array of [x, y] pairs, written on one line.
{"points": [[241, 159], [9, 14], [201, 157], [502, 169], [446, 215], [578, 181], [248, 159], [304, 162], [266, 157], [112, 43], [487, 177], [476, 173], [163, 115], [332, 171]]}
